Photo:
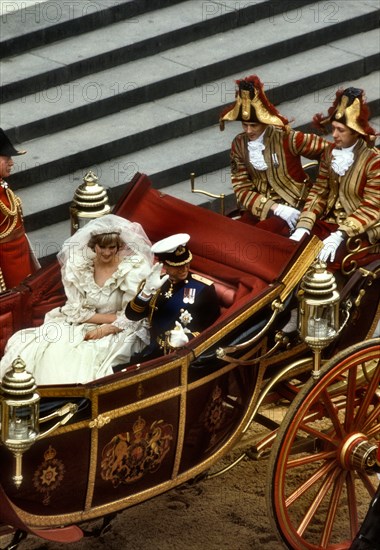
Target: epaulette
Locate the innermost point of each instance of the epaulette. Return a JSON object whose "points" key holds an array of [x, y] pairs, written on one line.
{"points": [[202, 279]]}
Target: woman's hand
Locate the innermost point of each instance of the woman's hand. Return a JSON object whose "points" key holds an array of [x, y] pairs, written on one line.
{"points": [[101, 331], [101, 318]]}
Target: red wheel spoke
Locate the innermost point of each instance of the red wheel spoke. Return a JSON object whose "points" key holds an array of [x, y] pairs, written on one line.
{"points": [[352, 504], [318, 499], [320, 486], [332, 509], [310, 459], [370, 392], [332, 413], [319, 474], [351, 390], [367, 482], [371, 425], [325, 436]]}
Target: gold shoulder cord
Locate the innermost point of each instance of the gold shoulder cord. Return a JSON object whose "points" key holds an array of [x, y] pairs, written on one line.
{"points": [[10, 214], [10, 220], [3, 286]]}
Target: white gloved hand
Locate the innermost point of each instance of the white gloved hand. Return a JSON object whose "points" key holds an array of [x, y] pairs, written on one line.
{"points": [[289, 214], [330, 246], [154, 281], [177, 337], [299, 233]]}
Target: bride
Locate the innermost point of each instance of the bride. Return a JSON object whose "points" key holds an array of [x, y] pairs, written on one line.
{"points": [[102, 266]]}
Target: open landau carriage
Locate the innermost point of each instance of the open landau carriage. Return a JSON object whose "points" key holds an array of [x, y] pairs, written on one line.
{"points": [[159, 424]]}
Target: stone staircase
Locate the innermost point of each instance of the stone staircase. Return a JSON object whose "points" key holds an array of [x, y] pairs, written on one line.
{"points": [[121, 86]]}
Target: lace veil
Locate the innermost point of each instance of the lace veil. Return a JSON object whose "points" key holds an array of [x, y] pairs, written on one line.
{"points": [[75, 249]]}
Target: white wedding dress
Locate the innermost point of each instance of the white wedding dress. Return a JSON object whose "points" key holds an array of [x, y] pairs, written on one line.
{"points": [[56, 353]]}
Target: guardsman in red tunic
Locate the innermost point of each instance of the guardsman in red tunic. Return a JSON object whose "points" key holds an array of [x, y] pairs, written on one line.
{"points": [[16, 259], [344, 201], [266, 171]]}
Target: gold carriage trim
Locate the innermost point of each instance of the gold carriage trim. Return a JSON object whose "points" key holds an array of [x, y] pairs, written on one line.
{"points": [[354, 247]]}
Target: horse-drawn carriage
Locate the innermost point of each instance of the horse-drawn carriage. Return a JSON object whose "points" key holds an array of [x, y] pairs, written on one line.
{"points": [[155, 425]]}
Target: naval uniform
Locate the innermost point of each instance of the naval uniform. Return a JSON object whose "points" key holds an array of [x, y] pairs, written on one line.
{"points": [[192, 302]]}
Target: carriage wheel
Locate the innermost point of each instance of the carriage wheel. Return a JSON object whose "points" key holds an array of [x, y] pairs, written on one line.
{"points": [[321, 477]]}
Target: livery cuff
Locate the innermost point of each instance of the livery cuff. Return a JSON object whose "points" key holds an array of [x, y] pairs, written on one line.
{"points": [[306, 220], [351, 227]]}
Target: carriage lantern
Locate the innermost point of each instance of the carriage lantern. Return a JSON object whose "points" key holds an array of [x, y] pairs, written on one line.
{"points": [[318, 312], [19, 406], [20, 414], [90, 201]]}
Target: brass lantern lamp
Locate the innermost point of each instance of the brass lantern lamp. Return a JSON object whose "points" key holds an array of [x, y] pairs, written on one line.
{"points": [[318, 312], [20, 414], [19, 405], [90, 201]]}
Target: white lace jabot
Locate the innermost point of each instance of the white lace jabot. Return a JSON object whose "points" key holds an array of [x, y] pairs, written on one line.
{"points": [[255, 150], [342, 160]]}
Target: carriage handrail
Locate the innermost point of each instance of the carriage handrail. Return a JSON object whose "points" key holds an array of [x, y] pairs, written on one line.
{"points": [[280, 338], [220, 196], [67, 411], [221, 353]]}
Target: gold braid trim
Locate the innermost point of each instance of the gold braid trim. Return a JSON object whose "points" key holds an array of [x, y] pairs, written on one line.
{"points": [[3, 286], [152, 305], [10, 214]]}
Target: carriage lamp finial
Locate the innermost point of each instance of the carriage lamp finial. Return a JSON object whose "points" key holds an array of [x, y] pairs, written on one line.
{"points": [[318, 312], [90, 201]]}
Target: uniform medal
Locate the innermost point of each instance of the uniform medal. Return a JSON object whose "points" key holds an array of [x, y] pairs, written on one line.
{"points": [[189, 295]]}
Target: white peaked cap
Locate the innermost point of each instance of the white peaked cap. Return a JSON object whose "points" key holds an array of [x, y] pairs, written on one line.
{"points": [[170, 244]]}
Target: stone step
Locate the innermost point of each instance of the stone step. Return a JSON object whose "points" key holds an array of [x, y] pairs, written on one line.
{"points": [[128, 40], [196, 150], [37, 24], [163, 119], [81, 100]]}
